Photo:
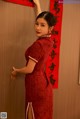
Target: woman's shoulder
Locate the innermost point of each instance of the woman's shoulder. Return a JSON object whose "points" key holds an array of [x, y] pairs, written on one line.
{"points": [[36, 44], [45, 41]]}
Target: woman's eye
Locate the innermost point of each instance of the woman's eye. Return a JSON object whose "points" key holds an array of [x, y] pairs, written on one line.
{"points": [[42, 25], [36, 24]]}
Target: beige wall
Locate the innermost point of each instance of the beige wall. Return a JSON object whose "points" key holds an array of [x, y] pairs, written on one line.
{"points": [[67, 97], [16, 34]]}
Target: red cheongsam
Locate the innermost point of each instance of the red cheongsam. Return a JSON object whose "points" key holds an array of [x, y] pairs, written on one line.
{"points": [[38, 90]]}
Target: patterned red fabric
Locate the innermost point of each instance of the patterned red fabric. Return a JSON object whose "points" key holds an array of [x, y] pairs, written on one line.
{"points": [[38, 88], [22, 2], [38, 51]]}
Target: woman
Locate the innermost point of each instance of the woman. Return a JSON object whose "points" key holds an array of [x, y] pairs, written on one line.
{"points": [[39, 103]]}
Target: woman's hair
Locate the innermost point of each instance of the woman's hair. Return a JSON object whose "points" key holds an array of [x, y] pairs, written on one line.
{"points": [[49, 17]]}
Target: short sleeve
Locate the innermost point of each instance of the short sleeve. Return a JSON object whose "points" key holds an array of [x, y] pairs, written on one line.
{"points": [[35, 52]]}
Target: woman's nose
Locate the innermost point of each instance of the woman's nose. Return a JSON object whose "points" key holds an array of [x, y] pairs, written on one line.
{"points": [[38, 27]]}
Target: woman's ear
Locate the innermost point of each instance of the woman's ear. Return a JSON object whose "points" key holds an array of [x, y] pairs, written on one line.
{"points": [[51, 29]]}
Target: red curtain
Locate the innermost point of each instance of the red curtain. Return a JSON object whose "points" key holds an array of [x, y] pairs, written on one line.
{"points": [[52, 70], [22, 2]]}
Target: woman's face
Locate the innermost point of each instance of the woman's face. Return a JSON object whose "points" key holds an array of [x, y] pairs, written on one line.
{"points": [[41, 27]]}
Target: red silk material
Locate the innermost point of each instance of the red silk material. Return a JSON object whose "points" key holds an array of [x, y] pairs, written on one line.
{"points": [[57, 9], [22, 2]]}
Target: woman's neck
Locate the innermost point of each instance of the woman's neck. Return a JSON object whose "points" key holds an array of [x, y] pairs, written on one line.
{"points": [[47, 35]]}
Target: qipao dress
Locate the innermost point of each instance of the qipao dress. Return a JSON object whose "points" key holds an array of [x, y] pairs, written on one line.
{"points": [[38, 89]]}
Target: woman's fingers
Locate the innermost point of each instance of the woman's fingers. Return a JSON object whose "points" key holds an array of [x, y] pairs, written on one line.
{"points": [[14, 73], [14, 68], [36, 2], [13, 77]]}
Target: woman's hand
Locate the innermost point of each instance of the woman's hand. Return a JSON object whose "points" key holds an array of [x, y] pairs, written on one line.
{"points": [[13, 73], [36, 2]]}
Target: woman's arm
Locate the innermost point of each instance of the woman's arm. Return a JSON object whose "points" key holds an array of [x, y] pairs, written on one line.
{"points": [[24, 70], [37, 6]]}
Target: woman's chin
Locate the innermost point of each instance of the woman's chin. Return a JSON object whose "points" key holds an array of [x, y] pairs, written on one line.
{"points": [[38, 35]]}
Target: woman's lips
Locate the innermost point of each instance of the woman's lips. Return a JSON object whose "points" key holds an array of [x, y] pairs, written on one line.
{"points": [[38, 32]]}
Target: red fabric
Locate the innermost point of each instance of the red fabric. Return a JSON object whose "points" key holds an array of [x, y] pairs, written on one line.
{"points": [[57, 9], [38, 52], [38, 89], [22, 2]]}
